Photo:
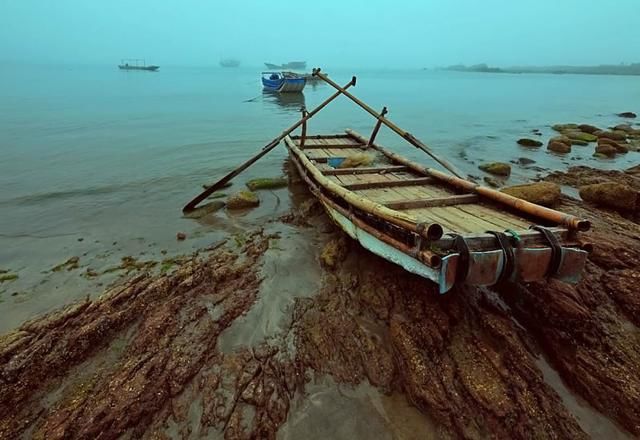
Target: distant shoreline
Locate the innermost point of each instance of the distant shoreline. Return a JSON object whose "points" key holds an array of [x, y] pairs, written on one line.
{"points": [[622, 69]]}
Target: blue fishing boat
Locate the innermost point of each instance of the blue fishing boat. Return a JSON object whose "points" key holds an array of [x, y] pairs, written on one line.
{"points": [[283, 82]]}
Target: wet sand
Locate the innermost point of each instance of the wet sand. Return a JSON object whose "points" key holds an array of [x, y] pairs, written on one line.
{"points": [[226, 345]]}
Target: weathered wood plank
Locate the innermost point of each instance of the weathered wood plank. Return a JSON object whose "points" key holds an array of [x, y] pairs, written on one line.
{"points": [[389, 183], [433, 202], [333, 145], [365, 170]]}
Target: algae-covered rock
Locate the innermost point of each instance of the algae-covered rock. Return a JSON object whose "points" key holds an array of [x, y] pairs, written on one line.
{"points": [[524, 161], [357, 160], [611, 194], [71, 264], [631, 115], [580, 136], [558, 147], [8, 276], [334, 252], [242, 200], [586, 128], [266, 183], [600, 156], [529, 142], [542, 193], [606, 149], [624, 127], [497, 168], [579, 142], [564, 127]]}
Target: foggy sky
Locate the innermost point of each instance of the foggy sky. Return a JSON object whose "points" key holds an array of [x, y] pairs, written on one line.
{"points": [[343, 33]]}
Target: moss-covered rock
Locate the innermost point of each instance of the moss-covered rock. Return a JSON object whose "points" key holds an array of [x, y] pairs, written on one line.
{"points": [[564, 127], [497, 168], [611, 194], [526, 142], [600, 156], [586, 128], [542, 193], [243, 200], [8, 276], [606, 149], [558, 147], [580, 136], [267, 183], [71, 264]]}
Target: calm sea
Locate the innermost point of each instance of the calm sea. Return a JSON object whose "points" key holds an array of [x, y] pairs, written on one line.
{"points": [[93, 159]]}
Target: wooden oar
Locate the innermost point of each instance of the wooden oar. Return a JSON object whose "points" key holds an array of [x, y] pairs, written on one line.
{"points": [[380, 117], [270, 146]]}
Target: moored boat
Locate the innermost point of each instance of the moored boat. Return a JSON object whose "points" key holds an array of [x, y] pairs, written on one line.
{"points": [[283, 82], [136, 64], [229, 62]]}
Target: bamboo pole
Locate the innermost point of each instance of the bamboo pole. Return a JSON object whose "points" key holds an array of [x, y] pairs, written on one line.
{"points": [[541, 212], [432, 231], [404, 134], [303, 133], [376, 129], [267, 148]]}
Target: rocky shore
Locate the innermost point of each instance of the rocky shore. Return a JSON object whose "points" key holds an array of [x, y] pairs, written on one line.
{"points": [[147, 358]]}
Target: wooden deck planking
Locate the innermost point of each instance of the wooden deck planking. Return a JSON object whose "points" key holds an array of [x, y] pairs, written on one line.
{"points": [[500, 218]]}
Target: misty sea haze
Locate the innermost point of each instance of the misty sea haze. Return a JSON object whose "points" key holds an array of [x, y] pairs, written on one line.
{"points": [[91, 155]]}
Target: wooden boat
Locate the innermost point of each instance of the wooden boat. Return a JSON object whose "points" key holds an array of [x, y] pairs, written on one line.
{"points": [[283, 82], [435, 225], [432, 223], [136, 64]]}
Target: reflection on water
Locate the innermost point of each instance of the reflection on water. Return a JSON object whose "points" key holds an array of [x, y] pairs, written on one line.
{"points": [[285, 102]]}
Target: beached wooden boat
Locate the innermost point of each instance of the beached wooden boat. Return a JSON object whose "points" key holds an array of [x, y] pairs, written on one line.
{"points": [[435, 225], [432, 223], [283, 82]]}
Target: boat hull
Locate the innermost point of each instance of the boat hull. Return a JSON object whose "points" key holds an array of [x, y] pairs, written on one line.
{"points": [[147, 68], [284, 85], [437, 259]]}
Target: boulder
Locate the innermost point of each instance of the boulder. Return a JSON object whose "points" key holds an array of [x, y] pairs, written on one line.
{"points": [[180, 236], [564, 127], [525, 142], [497, 168], [561, 139], [580, 136], [586, 128], [579, 142], [523, 161], [242, 200], [558, 147], [631, 115], [542, 193], [616, 135], [620, 147], [600, 156], [493, 182], [606, 149], [611, 194], [624, 127], [266, 183]]}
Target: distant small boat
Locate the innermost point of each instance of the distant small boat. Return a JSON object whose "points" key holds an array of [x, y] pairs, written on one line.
{"points": [[229, 62], [136, 64], [283, 82], [295, 65]]}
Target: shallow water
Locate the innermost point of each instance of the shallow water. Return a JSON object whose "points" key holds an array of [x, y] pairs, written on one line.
{"points": [[97, 163]]}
